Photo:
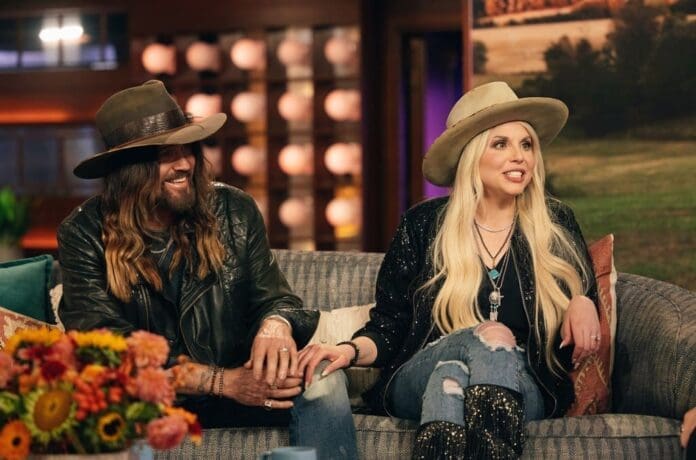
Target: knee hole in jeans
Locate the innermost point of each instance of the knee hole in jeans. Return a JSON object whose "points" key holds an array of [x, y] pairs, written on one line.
{"points": [[452, 387], [495, 336]]}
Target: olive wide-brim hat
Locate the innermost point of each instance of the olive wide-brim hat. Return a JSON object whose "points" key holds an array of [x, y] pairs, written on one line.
{"points": [[142, 116], [482, 108]]}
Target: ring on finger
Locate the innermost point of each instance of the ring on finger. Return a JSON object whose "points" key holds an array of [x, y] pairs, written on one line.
{"points": [[284, 350], [268, 404]]}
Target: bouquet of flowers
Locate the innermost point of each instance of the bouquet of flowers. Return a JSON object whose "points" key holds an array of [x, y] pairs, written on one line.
{"points": [[86, 393]]}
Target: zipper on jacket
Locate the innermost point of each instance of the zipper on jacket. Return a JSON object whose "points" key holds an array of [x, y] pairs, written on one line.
{"points": [[529, 334], [146, 303], [181, 316]]}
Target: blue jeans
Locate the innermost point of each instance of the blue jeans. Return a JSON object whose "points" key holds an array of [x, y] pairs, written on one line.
{"points": [[430, 385], [321, 417]]}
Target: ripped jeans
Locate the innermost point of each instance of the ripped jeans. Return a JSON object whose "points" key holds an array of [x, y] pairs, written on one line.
{"points": [[321, 417], [429, 386]]}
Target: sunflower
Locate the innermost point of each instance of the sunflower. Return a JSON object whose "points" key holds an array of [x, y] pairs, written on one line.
{"points": [[49, 413], [111, 427], [99, 339], [15, 441], [36, 336]]}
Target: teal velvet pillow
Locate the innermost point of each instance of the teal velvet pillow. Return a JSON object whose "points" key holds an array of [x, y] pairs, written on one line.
{"points": [[24, 286]]}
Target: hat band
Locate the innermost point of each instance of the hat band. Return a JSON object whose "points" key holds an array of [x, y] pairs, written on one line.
{"points": [[147, 126]]}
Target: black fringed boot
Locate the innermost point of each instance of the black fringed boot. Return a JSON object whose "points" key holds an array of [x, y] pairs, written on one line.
{"points": [[494, 422], [440, 440]]}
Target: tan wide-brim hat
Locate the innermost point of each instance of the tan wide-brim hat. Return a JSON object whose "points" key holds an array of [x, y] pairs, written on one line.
{"points": [[142, 116], [485, 107]]}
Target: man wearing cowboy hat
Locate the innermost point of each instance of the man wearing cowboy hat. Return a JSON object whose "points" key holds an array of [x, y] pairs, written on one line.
{"points": [[163, 249]]}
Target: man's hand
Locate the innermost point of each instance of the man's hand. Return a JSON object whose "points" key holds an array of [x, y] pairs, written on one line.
{"points": [[274, 350], [688, 426], [238, 384], [581, 327], [242, 386]]}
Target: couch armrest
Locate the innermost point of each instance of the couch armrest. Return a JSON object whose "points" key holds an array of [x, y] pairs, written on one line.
{"points": [[655, 365]]}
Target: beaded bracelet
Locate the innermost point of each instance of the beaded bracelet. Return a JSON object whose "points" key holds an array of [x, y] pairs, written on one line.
{"points": [[355, 347], [221, 382], [211, 391]]}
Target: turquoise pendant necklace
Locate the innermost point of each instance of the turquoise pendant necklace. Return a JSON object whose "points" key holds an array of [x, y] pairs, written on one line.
{"points": [[495, 277]]}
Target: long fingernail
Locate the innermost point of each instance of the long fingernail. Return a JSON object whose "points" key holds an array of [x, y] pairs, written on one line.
{"points": [[324, 373]]}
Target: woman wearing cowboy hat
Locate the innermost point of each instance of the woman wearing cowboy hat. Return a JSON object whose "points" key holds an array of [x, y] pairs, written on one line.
{"points": [[486, 298]]}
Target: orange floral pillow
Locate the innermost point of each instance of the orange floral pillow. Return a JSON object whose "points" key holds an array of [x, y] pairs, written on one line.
{"points": [[11, 321], [592, 380]]}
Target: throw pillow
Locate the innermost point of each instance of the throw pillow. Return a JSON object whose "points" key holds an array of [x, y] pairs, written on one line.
{"points": [[592, 380], [11, 321], [338, 325], [24, 286]]}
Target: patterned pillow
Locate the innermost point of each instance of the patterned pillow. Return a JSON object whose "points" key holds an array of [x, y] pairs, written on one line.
{"points": [[10, 321], [592, 380]]}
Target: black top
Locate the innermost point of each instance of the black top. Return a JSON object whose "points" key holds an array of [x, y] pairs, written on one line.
{"points": [[401, 322], [511, 312]]}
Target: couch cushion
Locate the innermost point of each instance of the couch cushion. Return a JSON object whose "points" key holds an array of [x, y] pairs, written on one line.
{"points": [[325, 280], [383, 438], [24, 286], [592, 380]]}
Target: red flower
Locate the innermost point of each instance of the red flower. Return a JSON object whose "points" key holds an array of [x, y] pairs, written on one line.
{"points": [[166, 432], [51, 370], [152, 385]]}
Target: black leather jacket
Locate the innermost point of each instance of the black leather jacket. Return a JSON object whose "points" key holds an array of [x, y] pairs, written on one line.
{"points": [[217, 317], [401, 322]]}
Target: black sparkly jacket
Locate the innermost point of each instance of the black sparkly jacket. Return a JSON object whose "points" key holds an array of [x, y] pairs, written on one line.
{"points": [[401, 322], [217, 317]]}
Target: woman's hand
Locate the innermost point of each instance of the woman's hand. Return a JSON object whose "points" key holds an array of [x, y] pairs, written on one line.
{"points": [[688, 426], [310, 357], [275, 351], [581, 327]]}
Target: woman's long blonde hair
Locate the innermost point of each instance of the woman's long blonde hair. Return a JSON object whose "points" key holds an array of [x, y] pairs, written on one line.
{"points": [[455, 257], [131, 194]]}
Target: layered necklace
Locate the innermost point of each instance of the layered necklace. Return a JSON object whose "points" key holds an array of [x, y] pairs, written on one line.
{"points": [[494, 276]]}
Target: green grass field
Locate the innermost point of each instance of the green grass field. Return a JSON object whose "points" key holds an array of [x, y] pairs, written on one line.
{"points": [[644, 192]]}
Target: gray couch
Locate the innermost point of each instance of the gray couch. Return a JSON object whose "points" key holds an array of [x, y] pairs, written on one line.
{"points": [[654, 378]]}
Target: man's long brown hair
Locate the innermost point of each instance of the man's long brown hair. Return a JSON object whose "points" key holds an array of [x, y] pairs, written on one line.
{"points": [[131, 196]]}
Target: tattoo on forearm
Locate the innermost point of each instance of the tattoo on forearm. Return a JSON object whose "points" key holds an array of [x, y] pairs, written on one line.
{"points": [[204, 380]]}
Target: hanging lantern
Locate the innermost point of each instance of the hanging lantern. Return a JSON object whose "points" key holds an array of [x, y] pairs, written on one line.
{"points": [[292, 51], [344, 158], [159, 59], [295, 159], [213, 158], [294, 106], [293, 212], [248, 160], [248, 106], [203, 56], [249, 54], [343, 105], [204, 105], [340, 50], [343, 211]]}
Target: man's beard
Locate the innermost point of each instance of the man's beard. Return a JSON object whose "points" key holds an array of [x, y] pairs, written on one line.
{"points": [[180, 203]]}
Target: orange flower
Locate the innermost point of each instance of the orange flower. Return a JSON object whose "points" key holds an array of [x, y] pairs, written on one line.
{"points": [[27, 382], [15, 441], [183, 413], [148, 349]]}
